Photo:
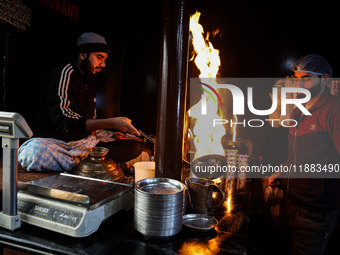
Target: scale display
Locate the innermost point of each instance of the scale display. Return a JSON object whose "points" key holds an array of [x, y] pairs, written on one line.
{"points": [[62, 216]]}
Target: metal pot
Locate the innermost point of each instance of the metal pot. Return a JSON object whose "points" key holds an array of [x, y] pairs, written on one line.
{"points": [[207, 161], [99, 167]]}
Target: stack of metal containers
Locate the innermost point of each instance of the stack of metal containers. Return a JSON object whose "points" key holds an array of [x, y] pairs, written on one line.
{"points": [[159, 205]]}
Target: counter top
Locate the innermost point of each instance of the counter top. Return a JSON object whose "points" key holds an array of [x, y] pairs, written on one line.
{"points": [[118, 236]]}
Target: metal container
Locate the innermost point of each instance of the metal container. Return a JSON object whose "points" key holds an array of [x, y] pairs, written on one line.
{"points": [[96, 165], [159, 204], [242, 145]]}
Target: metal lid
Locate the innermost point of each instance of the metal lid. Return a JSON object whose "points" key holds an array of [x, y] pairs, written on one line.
{"points": [[159, 186], [199, 222]]}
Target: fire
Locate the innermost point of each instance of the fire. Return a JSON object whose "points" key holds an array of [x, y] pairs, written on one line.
{"points": [[207, 137], [206, 57], [207, 60], [228, 204]]}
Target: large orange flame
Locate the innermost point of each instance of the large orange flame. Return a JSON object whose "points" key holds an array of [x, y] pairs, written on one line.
{"points": [[206, 57], [207, 60], [207, 138]]}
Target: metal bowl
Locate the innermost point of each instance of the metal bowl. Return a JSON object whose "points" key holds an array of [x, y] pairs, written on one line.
{"points": [[199, 222]]}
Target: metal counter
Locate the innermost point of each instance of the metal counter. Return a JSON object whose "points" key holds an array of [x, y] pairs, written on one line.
{"points": [[118, 236]]}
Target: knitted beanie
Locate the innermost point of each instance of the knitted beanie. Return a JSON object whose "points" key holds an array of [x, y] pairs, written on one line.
{"points": [[91, 42]]}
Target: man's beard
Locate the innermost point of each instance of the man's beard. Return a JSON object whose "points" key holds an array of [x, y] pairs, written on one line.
{"points": [[88, 69], [314, 91]]}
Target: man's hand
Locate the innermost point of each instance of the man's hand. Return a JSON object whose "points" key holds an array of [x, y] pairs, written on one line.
{"points": [[334, 87], [123, 124]]}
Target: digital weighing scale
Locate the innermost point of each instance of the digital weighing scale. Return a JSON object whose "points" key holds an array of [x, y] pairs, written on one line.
{"points": [[12, 127], [70, 204], [64, 203]]}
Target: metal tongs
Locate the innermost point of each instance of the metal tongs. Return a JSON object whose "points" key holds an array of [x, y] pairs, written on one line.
{"points": [[146, 136], [122, 136], [154, 141]]}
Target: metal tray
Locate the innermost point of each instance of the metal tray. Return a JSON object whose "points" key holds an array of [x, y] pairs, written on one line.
{"points": [[76, 189], [199, 222]]}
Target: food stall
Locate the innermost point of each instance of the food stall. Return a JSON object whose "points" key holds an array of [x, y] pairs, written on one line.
{"points": [[82, 212], [62, 213]]}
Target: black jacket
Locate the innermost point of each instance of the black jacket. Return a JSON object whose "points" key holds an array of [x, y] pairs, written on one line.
{"points": [[68, 99]]}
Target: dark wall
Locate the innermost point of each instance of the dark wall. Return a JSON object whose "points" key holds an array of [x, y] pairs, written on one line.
{"points": [[132, 31], [261, 39], [141, 59]]}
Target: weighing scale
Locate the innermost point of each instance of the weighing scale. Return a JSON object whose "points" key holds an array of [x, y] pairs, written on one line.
{"points": [[69, 204], [12, 127]]}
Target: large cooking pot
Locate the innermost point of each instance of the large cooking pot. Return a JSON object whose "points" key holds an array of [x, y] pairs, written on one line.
{"points": [[206, 162]]}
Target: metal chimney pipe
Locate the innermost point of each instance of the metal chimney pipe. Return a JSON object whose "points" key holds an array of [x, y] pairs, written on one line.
{"points": [[172, 90]]}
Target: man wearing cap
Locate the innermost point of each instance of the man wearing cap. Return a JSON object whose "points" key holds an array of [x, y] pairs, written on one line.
{"points": [[310, 204], [68, 110]]}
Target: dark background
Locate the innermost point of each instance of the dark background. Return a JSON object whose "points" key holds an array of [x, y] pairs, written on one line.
{"points": [[255, 40]]}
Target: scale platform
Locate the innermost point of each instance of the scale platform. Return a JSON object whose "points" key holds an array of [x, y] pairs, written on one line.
{"points": [[70, 204]]}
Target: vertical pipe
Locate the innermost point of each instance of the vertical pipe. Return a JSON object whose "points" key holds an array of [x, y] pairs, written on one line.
{"points": [[172, 91]]}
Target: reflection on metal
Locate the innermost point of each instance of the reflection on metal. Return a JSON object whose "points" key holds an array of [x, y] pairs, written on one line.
{"points": [[199, 222], [207, 245], [76, 190], [228, 204], [97, 166], [227, 236], [54, 193], [201, 195], [72, 205], [159, 204]]}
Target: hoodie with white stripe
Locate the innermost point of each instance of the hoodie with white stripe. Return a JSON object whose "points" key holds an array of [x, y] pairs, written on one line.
{"points": [[68, 100]]}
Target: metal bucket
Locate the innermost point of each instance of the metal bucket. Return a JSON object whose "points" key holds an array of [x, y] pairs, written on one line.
{"points": [[159, 204]]}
